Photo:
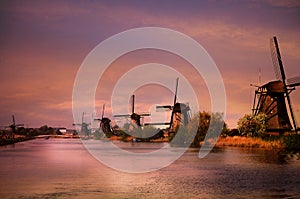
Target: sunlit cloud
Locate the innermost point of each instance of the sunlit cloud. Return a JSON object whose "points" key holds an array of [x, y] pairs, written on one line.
{"points": [[44, 44]]}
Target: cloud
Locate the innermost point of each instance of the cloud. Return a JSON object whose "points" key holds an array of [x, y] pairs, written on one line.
{"points": [[45, 42], [283, 3]]}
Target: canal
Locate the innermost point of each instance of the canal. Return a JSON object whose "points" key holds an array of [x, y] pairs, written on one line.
{"points": [[62, 168]]}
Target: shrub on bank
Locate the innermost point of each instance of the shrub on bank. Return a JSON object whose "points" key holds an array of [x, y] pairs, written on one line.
{"points": [[253, 125], [292, 142], [198, 127]]}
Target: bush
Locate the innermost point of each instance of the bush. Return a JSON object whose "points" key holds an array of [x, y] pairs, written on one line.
{"points": [[203, 121], [253, 125], [292, 142]]}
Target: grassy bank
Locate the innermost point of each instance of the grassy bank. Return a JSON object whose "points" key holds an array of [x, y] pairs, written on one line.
{"points": [[250, 142], [289, 142]]}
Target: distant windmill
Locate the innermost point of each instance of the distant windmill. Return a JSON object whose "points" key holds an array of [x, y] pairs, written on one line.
{"points": [[273, 98], [104, 123], [180, 113], [84, 127], [135, 117], [13, 126]]}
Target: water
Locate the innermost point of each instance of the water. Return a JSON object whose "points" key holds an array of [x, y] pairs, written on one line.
{"points": [[58, 168]]}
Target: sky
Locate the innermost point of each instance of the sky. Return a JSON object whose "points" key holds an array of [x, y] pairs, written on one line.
{"points": [[44, 43]]}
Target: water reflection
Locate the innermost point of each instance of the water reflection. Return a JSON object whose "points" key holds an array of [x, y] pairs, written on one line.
{"points": [[64, 169]]}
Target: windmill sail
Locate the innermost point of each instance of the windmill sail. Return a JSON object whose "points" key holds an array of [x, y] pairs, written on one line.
{"points": [[276, 59], [134, 116], [294, 81], [174, 102]]}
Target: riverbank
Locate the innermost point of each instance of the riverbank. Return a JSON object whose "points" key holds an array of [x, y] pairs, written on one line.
{"points": [[132, 139], [17, 139], [250, 142], [290, 142], [22, 138]]}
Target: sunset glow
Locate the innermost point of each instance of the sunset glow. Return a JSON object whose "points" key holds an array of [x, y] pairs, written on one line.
{"points": [[43, 44]]}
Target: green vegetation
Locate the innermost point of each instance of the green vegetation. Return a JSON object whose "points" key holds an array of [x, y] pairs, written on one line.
{"points": [[198, 127], [251, 133], [11, 136], [250, 142], [145, 134], [292, 142], [253, 126]]}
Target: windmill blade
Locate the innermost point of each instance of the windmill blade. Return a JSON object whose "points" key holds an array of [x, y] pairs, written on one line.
{"points": [[276, 59], [164, 107], [175, 96], [145, 114], [122, 115], [175, 99], [291, 111], [82, 124], [294, 81], [14, 121], [157, 123], [103, 108], [132, 106], [82, 118]]}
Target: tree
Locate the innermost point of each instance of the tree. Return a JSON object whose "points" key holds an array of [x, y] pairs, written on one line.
{"points": [[45, 130], [204, 121], [197, 129], [253, 125]]}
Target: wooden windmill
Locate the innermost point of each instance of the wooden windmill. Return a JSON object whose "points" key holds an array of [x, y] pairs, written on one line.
{"points": [[180, 113], [14, 126], [84, 130], [135, 117], [273, 98], [104, 123]]}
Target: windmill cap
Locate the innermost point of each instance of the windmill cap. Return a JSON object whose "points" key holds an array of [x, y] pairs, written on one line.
{"points": [[273, 87]]}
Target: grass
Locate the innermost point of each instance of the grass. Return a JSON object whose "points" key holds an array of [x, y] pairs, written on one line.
{"points": [[250, 142]]}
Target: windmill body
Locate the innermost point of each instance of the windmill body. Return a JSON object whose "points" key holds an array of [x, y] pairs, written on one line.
{"points": [[273, 98], [180, 113], [272, 103], [180, 116], [84, 128], [105, 123]]}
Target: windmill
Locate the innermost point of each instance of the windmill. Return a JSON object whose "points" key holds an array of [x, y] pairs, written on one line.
{"points": [[180, 113], [104, 123], [273, 98], [84, 127], [13, 126], [135, 117]]}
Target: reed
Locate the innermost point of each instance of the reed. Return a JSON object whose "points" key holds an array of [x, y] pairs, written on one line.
{"points": [[250, 142]]}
